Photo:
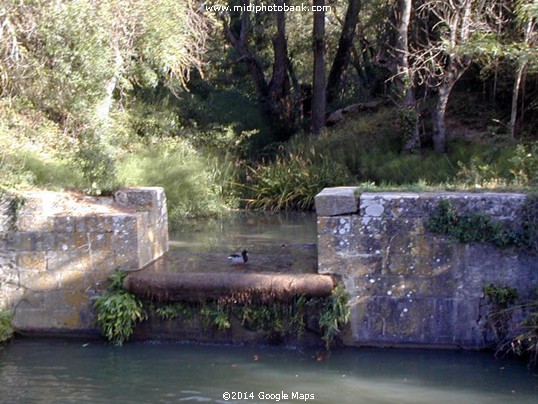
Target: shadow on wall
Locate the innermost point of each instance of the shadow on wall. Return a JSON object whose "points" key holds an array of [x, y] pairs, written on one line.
{"points": [[64, 246]]}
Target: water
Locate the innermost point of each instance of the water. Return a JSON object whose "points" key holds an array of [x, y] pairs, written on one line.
{"points": [[276, 242], [66, 371], [254, 231]]}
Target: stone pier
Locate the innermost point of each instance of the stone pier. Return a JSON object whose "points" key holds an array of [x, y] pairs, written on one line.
{"points": [[407, 285], [57, 250]]}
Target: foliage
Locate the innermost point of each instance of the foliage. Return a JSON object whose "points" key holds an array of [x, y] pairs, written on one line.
{"points": [[173, 310], [33, 149], [470, 227], [525, 164], [177, 167], [275, 319], [502, 296], [118, 310], [96, 163], [513, 337], [525, 342], [334, 314], [529, 224], [214, 314], [6, 330], [292, 181], [407, 122]]}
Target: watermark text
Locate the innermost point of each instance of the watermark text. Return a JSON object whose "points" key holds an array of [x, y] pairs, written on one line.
{"points": [[267, 8]]}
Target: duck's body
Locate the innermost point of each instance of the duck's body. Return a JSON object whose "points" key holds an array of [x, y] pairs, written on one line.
{"points": [[238, 259]]}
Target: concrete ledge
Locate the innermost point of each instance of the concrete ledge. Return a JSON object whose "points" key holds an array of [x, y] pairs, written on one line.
{"points": [[336, 201]]}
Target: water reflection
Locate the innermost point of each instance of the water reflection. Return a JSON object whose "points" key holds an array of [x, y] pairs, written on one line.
{"points": [[73, 371], [246, 229]]}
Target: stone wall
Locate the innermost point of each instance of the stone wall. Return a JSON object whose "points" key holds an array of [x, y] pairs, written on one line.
{"points": [[409, 286], [57, 250]]}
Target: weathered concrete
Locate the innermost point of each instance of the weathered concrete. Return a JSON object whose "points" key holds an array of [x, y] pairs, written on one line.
{"points": [[336, 201], [409, 286], [57, 250]]}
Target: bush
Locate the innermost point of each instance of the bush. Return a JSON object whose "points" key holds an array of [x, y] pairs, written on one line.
{"points": [[293, 180], [173, 164], [118, 310], [6, 330]]}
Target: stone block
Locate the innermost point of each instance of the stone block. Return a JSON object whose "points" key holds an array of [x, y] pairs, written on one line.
{"points": [[40, 281], [64, 224], [71, 241], [336, 201], [66, 300], [35, 260], [71, 261], [124, 224], [31, 241], [35, 223], [126, 260]]}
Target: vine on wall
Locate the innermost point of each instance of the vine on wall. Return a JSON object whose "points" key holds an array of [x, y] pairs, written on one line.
{"points": [[480, 227]]}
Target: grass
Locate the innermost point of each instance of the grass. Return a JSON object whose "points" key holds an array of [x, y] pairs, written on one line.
{"points": [[6, 330], [366, 151], [187, 177]]}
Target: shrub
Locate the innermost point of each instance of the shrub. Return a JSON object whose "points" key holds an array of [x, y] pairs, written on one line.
{"points": [[6, 330], [177, 167], [118, 310], [293, 180]]}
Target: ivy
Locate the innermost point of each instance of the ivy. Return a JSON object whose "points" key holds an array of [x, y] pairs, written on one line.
{"points": [[501, 296], [479, 227]]}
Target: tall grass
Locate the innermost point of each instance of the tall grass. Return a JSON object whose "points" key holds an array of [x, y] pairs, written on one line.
{"points": [[293, 180], [6, 330], [366, 149], [186, 176]]}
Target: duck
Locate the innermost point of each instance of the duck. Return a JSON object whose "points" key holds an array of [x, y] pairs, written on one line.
{"points": [[238, 259]]}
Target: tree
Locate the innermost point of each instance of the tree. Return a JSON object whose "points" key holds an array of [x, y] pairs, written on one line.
{"points": [[343, 53], [525, 51], [72, 61], [319, 86], [274, 95], [446, 27]]}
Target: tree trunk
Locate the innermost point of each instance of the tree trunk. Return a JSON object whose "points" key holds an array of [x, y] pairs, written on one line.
{"points": [[318, 88], [439, 133], [515, 96], [343, 53], [240, 45], [404, 81], [274, 97], [279, 86], [403, 76], [103, 109], [517, 84]]}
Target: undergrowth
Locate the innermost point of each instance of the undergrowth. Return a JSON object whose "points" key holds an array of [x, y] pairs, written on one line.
{"points": [[6, 330], [190, 183], [513, 322], [367, 150], [480, 227], [118, 311]]}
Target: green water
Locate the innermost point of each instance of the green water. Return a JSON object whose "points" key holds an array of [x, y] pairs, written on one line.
{"points": [[68, 371]]}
